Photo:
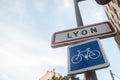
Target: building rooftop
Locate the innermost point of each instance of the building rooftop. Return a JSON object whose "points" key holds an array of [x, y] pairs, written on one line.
{"points": [[49, 74]]}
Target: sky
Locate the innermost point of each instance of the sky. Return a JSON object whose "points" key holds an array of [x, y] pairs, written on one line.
{"points": [[26, 29]]}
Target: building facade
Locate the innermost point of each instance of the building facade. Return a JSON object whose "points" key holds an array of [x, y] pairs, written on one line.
{"points": [[50, 74], [113, 12]]}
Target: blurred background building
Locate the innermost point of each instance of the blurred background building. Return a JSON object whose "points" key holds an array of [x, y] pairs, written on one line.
{"points": [[50, 74], [113, 12]]}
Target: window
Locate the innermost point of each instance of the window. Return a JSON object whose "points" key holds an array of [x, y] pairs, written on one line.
{"points": [[113, 1], [118, 17], [118, 2]]}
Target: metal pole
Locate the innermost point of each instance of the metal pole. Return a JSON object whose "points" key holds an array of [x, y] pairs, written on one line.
{"points": [[89, 75], [78, 15], [111, 75]]}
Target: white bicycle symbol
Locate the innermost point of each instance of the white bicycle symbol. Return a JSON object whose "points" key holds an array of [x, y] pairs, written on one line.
{"points": [[92, 54]]}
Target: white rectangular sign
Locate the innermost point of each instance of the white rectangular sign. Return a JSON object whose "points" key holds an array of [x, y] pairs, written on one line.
{"points": [[66, 37]]}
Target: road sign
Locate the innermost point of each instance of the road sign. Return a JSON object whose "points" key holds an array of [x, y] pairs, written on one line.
{"points": [[99, 30], [86, 56]]}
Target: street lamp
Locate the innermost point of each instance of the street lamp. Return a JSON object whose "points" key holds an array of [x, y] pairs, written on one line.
{"points": [[103, 2]]}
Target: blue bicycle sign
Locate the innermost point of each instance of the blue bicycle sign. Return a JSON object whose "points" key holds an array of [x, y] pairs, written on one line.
{"points": [[89, 54]]}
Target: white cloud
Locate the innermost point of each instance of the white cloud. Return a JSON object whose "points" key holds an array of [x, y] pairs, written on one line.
{"points": [[64, 5], [4, 77], [60, 5], [39, 5], [67, 4], [21, 53], [11, 10]]}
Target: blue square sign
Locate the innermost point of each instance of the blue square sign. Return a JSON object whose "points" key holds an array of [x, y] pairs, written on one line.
{"points": [[86, 56]]}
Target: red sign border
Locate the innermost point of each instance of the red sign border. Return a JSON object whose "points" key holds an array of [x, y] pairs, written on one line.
{"points": [[107, 34]]}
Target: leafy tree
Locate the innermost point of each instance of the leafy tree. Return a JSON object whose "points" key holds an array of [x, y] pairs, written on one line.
{"points": [[74, 78]]}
